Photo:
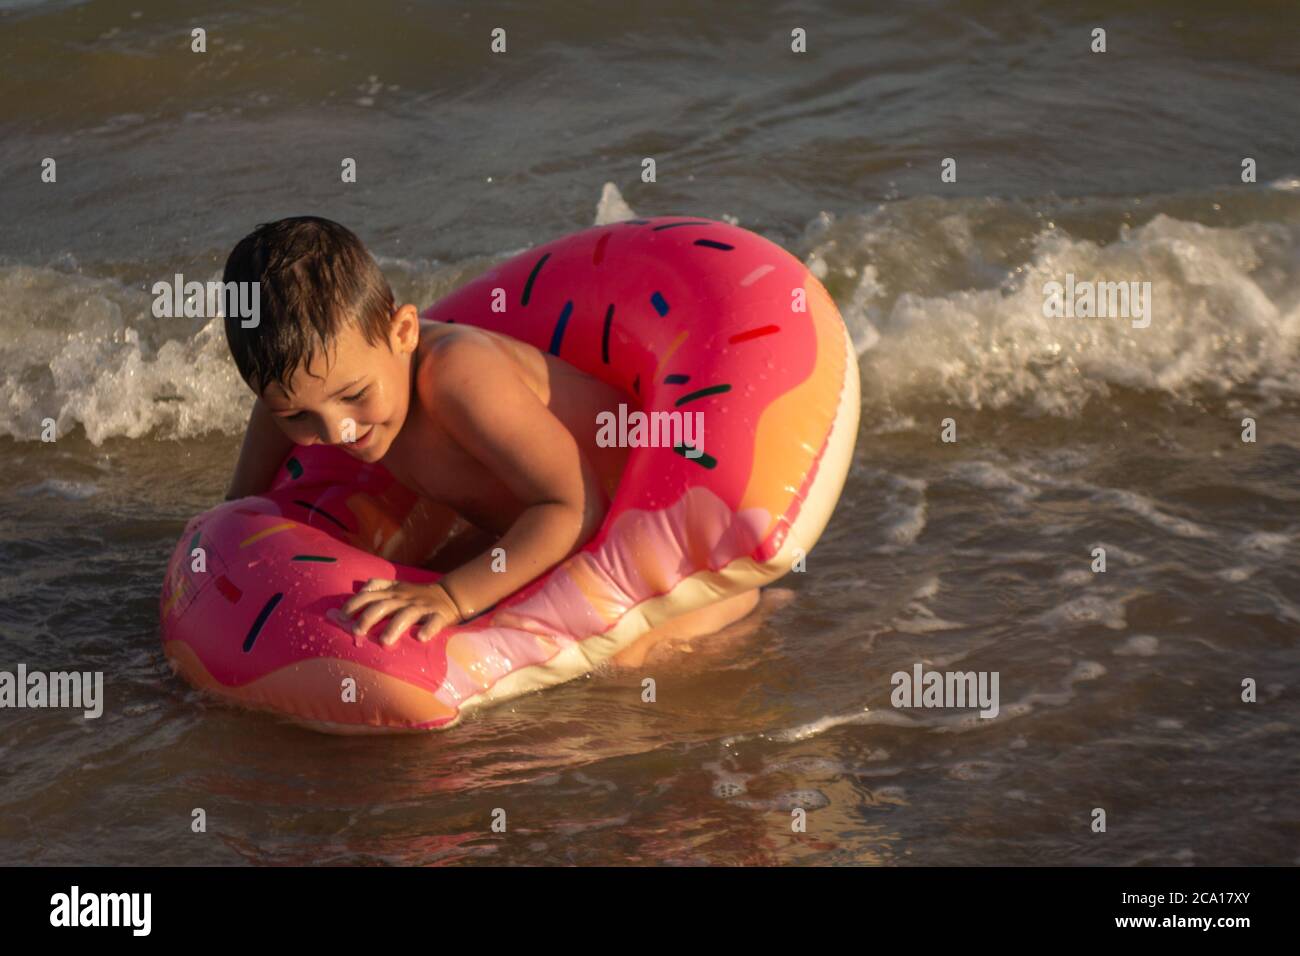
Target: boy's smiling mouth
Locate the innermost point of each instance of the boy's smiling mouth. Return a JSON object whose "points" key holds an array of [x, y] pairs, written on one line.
{"points": [[363, 440]]}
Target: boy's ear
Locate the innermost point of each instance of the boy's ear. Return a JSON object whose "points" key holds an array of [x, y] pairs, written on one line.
{"points": [[404, 333]]}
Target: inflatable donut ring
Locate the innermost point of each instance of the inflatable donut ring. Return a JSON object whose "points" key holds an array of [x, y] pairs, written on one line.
{"points": [[680, 314]]}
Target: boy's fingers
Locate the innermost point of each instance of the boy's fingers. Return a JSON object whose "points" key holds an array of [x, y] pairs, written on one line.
{"points": [[375, 613], [377, 584], [361, 599], [364, 597], [433, 623], [398, 625]]}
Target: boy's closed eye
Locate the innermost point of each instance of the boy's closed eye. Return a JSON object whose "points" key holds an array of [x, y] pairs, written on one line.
{"points": [[297, 416]]}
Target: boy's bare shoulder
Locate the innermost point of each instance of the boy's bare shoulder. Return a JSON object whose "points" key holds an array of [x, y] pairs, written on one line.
{"points": [[454, 355], [450, 354]]}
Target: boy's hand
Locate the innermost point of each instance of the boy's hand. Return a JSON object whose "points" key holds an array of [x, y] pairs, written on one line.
{"points": [[407, 603]]}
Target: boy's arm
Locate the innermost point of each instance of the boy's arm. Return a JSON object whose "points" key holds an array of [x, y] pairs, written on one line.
{"points": [[478, 396], [459, 549], [265, 446]]}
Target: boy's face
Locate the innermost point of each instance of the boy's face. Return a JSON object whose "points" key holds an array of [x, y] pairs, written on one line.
{"points": [[357, 397]]}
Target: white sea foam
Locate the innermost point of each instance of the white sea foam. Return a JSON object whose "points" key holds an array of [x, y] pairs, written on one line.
{"points": [[89, 352], [612, 207], [1225, 312], [1075, 577], [903, 514], [943, 723], [927, 588], [1114, 551], [1144, 507], [990, 477], [1235, 575], [1268, 542], [1139, 645], [85, 350], [1088, 609], [60, 488], [919, 619]]}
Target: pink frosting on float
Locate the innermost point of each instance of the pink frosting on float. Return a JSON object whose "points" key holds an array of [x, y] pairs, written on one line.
{"points": [[641, 556]]}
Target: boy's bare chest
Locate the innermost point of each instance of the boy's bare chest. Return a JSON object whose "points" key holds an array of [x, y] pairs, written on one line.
{"points": [[433, 465]]}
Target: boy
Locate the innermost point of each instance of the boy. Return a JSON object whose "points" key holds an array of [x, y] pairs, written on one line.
{"points": [[479, 423]]}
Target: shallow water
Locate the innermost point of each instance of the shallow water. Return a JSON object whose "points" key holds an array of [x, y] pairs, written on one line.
{"points": [[1118, 690]]}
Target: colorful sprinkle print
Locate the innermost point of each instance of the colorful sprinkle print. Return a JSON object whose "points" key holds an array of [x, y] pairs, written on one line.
{"points": [[266, 533], [260, 621], [678, 225], [701, 393], [322, 512], [532, 277], [604, 335], [228, 590], [558, 335], [704, 459], [754, 333]]}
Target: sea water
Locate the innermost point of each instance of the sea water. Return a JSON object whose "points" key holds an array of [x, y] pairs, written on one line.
{"points": [[1002, 448]]}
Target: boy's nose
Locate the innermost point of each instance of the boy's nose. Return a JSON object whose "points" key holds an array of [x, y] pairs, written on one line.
{"points": [[328, 434]]}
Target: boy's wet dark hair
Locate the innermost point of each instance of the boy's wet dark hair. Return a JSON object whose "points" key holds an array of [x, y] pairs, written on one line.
{"points": [[315, 276]]}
